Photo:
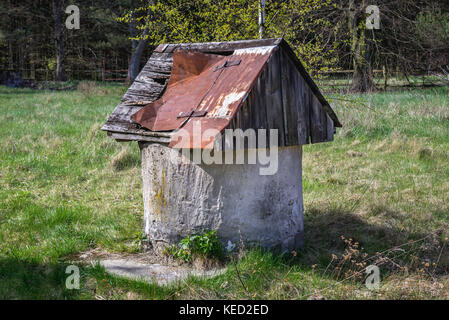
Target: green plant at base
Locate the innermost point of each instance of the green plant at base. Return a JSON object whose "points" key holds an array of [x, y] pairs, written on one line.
{"points": [[140, 238], [205, 245]]}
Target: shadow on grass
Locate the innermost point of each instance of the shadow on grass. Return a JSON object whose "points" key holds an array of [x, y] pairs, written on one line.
{"points": [[25, 280], [324, 233], [20, 279], [298, 275]]}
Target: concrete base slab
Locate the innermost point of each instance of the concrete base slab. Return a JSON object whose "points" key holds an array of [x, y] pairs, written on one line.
{"points": [[153, 273]]}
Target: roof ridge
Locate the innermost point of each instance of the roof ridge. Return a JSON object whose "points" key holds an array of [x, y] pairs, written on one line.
{"points": [[219, 45]]}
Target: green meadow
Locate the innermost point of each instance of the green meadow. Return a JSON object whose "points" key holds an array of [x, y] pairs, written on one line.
{"points": [[378, 194]]}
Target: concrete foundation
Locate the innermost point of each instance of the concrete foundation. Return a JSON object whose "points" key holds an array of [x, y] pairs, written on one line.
{"points": [[186, 198]]}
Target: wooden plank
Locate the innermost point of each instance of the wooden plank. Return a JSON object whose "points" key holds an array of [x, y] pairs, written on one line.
{"points": [[259, 114], [148, 85], [273, 97], [159, 63], [136, 97], [318, 128], [292, 102], [160, 66], [133, 137], [323, 121], [149, 68], [165, 56], [123, 113], [304, 113], [153, 77], [246, 111], [122, 127], [244, 116], [302, 110], [151, 90], [258, 99]]}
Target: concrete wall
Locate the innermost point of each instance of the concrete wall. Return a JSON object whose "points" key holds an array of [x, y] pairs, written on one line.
{"points": [[184, 198]]}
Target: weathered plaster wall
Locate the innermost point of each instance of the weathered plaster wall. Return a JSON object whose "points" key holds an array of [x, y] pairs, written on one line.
{"points": [[184, 198]]}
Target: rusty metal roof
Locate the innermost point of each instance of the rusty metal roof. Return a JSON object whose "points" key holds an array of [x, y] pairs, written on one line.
{"points": [[209, 88], [262, 108]]}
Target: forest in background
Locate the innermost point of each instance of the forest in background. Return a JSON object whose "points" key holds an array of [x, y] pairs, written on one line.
{"points": [[329, 36]]}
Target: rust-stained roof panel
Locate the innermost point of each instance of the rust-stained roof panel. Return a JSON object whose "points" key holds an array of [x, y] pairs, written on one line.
{"points": [[204, 87], [189, 83]]}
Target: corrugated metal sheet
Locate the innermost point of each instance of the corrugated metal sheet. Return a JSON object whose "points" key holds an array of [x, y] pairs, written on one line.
{"points": [[204, 87]]}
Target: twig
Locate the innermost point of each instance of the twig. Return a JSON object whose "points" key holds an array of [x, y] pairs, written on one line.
{"points": [[363, 270], [238, 276], [399, 246], [438, 260], [328, 266]]}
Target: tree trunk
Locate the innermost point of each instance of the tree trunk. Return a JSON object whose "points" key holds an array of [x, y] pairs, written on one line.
{"points": [[138, 47], [132, 27], [362, 79], [59, 40], [134, 64], [261, 19], [134, 43]]}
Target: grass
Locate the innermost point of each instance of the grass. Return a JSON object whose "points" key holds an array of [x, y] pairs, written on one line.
{"points": [[384, 182]]}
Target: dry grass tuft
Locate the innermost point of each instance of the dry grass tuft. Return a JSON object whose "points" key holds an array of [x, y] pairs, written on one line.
{"points": [[94, 131], [204, 263], [417, 263], [132, 296], [87, 87], [354, 154], [9, 145], [425, 153]]}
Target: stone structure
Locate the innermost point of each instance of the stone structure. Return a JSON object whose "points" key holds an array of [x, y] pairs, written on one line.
{"points": [[231, 198]]}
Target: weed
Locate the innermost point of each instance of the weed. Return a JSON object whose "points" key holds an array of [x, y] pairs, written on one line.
{"points": [[421, 256], [205, 245], [140, 239]]}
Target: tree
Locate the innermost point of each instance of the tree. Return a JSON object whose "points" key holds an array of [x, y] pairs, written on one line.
{"points": [[29, 38], [362, 80], [59, 40], [326, 35], [298, 21], [138, 45], [310, 27]]}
